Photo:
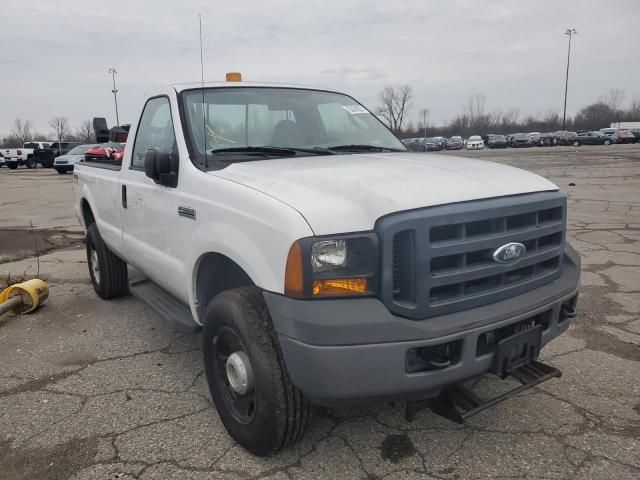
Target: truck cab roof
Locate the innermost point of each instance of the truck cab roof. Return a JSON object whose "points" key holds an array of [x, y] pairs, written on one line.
{"points": [[179, 87]]}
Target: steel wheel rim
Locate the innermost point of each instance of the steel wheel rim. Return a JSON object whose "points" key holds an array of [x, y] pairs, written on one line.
{"points": [[95, 265], [242, 407]]}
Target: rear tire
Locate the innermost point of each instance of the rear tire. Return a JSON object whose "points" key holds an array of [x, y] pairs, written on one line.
{"points": [[272, 413], [576, 143], [61, 171], [607, 142], [12, 166], [31, 163], [107, 271]]}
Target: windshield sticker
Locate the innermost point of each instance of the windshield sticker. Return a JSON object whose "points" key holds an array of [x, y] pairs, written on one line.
{"points": [[218, 137], [355, 109]]}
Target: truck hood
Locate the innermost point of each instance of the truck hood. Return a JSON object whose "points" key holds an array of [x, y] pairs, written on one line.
{"points": [[348, 193]]}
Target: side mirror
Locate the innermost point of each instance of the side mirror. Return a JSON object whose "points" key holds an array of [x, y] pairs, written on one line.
{"points": [[157, 166]]}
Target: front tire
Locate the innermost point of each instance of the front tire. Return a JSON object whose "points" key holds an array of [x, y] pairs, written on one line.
{"points": [[576, 143], [12, 166], [30, 163], [607, 142], [268, 413], [61, 171], [107, 271]]}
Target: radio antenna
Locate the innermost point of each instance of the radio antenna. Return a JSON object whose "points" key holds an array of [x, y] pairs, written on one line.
{"points": [[204, 122]]}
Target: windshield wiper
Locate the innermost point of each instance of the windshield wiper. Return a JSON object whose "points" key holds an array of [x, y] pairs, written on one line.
{"points": [[279, 151], [364, 148], [267, 151]]}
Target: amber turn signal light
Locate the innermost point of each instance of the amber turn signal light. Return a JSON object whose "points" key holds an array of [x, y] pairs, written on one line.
{"points": [[293, 276], [340, 287]]}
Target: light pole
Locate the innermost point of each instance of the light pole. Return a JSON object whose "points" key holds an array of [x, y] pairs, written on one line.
{"points": [[113, 72], [570, 32], [425, 112]]}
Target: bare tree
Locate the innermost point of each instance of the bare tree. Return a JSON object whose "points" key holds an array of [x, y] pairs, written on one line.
{"points": [[22, 131], [634, 109], [475, 106], [551, 120], [511, 116], [85, 132], [60, 126], [396, 103], [614, 98], [594, 116]]}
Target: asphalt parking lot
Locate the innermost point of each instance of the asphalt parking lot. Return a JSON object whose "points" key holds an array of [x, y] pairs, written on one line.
{"points": [[104, 390]]}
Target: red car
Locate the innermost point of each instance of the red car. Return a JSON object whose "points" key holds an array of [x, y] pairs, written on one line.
{"points": [[111, 151], [455, 143], [625, 136]]}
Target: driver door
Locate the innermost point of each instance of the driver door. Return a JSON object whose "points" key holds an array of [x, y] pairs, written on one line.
{"points": [[154, 236]]}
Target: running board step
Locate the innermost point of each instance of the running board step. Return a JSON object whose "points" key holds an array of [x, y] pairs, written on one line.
{"points": [[173, 311], [457, 403]]}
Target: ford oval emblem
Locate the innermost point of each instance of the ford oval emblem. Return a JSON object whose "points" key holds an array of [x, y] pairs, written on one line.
{"points": [[510, 253]]}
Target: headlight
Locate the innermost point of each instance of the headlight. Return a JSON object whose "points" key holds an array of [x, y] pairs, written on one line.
{"points": [[344, 265], [328, 254]]}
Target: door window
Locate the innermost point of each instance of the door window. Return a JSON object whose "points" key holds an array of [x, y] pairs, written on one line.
{"points": [[155, 132]]}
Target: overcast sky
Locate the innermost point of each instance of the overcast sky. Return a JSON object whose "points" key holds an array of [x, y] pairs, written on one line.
{"points": [[54, 55]]}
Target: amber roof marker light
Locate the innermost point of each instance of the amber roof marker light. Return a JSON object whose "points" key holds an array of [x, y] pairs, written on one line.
{"points": [[233, 77]]}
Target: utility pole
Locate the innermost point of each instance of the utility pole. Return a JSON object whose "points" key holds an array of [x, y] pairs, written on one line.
{"points": [[570, 32], [113, 72]]}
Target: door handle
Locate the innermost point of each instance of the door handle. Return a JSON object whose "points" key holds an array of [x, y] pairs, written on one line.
{"points": [[124, 196]]}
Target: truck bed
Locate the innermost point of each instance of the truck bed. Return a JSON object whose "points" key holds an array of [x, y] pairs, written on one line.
{"points": [[106, 164]]}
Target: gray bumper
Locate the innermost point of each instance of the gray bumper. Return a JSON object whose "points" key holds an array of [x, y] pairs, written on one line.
{"points": [[349, 350]]}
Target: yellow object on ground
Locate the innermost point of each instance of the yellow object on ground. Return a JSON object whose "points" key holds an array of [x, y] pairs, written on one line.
{"points": [[23, 297]]}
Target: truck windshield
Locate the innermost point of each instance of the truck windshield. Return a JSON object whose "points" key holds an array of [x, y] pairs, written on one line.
{"points": [[231, 124]]}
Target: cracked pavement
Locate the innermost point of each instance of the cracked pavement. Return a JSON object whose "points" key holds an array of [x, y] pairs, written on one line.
{"points": [[104, 390]]}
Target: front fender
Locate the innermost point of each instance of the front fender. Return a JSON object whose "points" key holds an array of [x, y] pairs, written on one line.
{"points": [[259, 249]]}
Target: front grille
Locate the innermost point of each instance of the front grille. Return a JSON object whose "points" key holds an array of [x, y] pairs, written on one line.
{"points": [[440, 260]]}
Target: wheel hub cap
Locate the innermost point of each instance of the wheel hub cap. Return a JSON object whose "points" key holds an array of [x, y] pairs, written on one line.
{"points": [[240, 373], [95, 266]]}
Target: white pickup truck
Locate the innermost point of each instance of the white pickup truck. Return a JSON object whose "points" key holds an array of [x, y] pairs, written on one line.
{"points": [[14, 157], [325, 263]]}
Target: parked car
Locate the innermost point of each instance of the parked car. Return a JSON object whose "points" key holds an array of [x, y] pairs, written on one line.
{"points": [[636, 133], [415, 144], [520, 140], [441, 142], [65, 163], [15, 157], [475, 142], [591, 138], [46, 156], [433, 144], [1, 160], [323, 272], [547, 140], [625, 136], [611, 133], [106, 152], [564, 137], [496, 141], [455, 143]]}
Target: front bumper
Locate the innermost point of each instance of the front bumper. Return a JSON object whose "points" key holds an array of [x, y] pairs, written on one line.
{"points": [[350, 350]]}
